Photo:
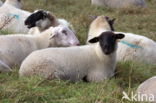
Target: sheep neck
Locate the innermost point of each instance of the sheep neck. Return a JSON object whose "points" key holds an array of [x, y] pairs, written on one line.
{"points": [[43, 40], [49, 23], [100, 54]]}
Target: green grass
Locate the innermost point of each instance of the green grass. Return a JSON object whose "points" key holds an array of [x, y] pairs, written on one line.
{"points": [[128, 75]]}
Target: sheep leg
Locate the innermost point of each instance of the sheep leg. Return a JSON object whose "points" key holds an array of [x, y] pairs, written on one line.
{"points": [[4, 68]]}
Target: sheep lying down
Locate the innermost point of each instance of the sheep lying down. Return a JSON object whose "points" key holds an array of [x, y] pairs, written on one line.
{"points": [[133, 47], [100, 24], [119, 3], [14, 48], [12, 17], [93, 62], [148, 88], [136, 48], [1, 3]]}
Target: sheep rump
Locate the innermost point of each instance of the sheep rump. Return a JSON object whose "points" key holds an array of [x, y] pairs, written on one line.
{"points": [[144, 53], [119, 3], [148, 88]]}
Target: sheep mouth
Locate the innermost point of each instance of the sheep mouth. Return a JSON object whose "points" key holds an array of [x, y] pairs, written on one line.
{"points": [[30, 26]]}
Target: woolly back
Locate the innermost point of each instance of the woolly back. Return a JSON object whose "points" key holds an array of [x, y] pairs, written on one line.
{"points": [[15, 3], [119, 3]]}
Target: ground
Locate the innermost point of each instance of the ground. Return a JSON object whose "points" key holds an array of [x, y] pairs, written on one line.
{"points": [[128, 74]]}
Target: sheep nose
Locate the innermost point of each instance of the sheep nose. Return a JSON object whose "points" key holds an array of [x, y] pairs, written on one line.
{"points": [[78, 44]]}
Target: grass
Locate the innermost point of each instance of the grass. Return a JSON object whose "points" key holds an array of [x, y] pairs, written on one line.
{"points": [[128, 75]]}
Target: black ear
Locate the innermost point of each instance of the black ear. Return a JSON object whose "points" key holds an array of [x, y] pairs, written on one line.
{"points": [[112, 21], [119, 36], [94, 40]]}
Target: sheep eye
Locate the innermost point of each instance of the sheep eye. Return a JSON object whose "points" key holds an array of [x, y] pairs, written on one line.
{"points": [[65, 32], [106, 17]]}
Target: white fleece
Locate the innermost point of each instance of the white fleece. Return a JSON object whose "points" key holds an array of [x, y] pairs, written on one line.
{"points": [[14, 48], [12, 19], [119, 3], [73, 63]]}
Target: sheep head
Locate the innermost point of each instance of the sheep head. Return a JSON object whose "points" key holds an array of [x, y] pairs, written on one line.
{"points": [[107, 41], [103, 22], [42, 19], [63, 36]]}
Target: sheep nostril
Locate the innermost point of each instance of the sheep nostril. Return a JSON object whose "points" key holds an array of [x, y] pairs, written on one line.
{"points": [[78, 44]]}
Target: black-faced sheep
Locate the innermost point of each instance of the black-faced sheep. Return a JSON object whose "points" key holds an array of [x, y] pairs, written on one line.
{"points": [[42, 20], [133, 47], [93, 62]]}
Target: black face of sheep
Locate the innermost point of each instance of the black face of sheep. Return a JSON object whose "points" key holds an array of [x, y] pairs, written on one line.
{"points": [[35, 17], [107, 41]]}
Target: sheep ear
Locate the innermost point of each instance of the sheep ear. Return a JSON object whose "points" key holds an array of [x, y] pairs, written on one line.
{"points": [[51, 17], [94, 40], [112, 21], [119, 36], [54, 33]]}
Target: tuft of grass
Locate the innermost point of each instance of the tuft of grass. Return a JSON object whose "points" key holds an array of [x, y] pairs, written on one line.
{"points": [[128, 74]]}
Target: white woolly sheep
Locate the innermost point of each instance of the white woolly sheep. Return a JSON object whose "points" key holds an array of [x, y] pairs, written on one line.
{"points": [[136, 48], [1, 3], [119, 3], [90, 62], [14, 3], [147, 90], [40, 20], [14, 48], [133, 47], [12, 18], [99, 25]]}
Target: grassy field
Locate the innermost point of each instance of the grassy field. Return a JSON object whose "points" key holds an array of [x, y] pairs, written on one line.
{"points": [[128, 75]]}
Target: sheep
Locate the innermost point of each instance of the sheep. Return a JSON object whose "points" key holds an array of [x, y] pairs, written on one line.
{"points": [[148, 88], [1, 3], [40, 20], [92, 63], [101, 23], [14, 48], [119, 3], [14, 3], [12, 18], [136, 48], [133, 47]]}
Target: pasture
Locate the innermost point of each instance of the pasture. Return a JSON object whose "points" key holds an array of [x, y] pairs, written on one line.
{"points": [[128, 74]]}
